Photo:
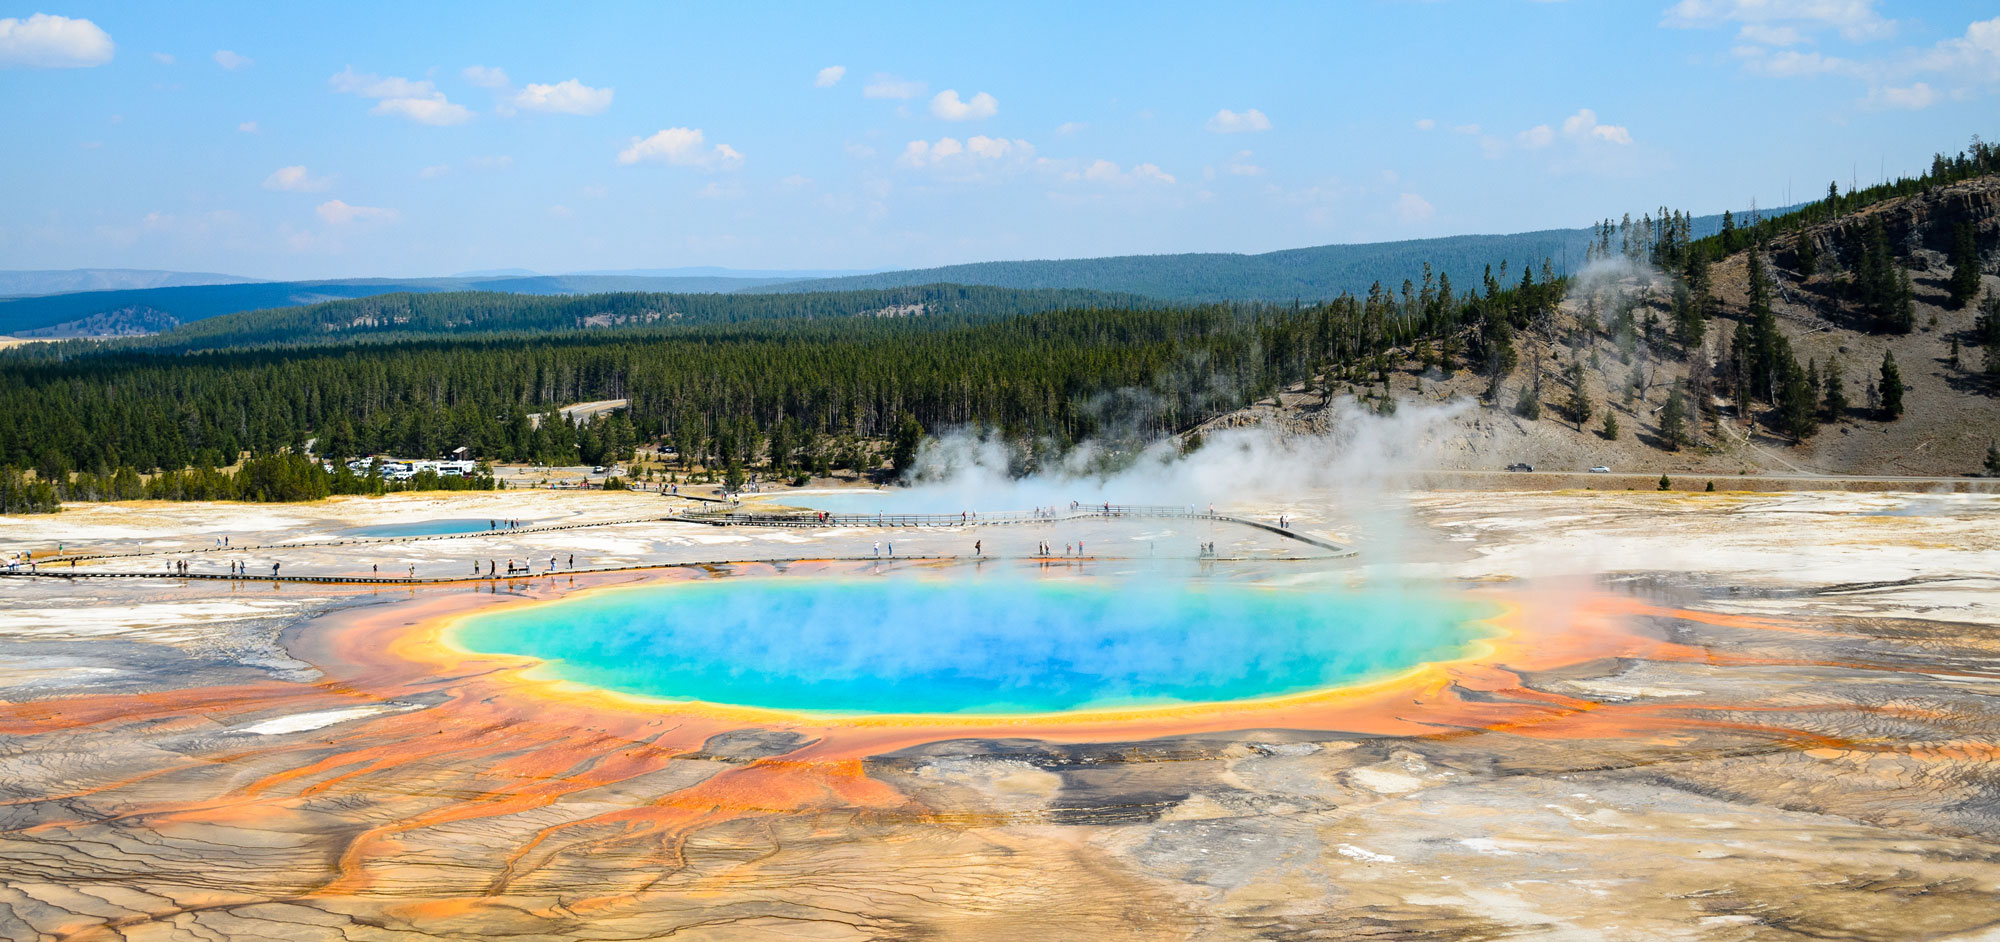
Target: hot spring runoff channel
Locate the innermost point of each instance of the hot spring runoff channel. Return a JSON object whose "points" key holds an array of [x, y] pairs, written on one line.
{"points": [[974, 646]]}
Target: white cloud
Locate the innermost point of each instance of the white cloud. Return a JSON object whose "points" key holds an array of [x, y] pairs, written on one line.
{"points": [[486, 76], [1241, 166], [719, 191], [434, 110], [1535, 138], [295, 180], [1770, 35], [858, 151], [830, 75], [232, 61], [339, 213], [1471, 129], [434, 171], [1910, 98], [163, 58], [1975, 57], [1614, 133], [418, 101], [1070, 127], [1855, 20], [975, 158], [565, 97], [1230, 122], [45, 41], [1791, 63], [795, 181], [1411, 208], [595, 191], [681, 147], [947, 105], [370, 85], [889, 86], [925, 153], [1425, 124], [249, 127], [1106, 172], [560, 211], [1584, 124]]}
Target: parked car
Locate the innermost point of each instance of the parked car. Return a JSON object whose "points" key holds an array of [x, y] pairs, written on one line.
{"points": [[1600, 469], [1517, 466], [597, 470]]}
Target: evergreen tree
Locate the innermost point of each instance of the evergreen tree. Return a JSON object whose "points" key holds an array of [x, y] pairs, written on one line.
{"points": [[1528, 405], [1796, 405], [1988, 334], [1673, 421], [1834, 401], [909, 436], [1610, 430], [1993, 460], [1880, 285], [1904, 318], [1665, 483], [1690, 327], [1891, 387], [1964, 265], [1806, 250], [1579, 407]]}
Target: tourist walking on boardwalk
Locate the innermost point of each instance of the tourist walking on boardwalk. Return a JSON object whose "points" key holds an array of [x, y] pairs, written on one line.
{"points": [[878, 548], [976, 550]]}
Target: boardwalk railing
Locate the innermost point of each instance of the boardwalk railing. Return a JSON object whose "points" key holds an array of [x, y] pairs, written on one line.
{"points": [[737, 518], [808, 518]]}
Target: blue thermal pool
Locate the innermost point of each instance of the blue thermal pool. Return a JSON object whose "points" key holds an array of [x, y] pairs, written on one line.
{"points": [[974, 646], [422, 528]]}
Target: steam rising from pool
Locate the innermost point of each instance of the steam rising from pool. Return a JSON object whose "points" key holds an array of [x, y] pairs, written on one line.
{"points": [[980, 645]]}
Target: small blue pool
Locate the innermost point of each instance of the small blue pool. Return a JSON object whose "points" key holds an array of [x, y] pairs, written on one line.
{"points": [[425, 528]]}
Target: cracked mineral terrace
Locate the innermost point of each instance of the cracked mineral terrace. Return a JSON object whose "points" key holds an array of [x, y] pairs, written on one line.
{"points": [[1712, 716]]}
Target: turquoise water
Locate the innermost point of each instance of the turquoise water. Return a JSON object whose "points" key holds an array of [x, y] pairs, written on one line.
{"points": [[423, 528], [973, 645]]}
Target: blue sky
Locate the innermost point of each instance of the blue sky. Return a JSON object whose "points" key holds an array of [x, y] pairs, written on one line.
{"points": [[285, 140]]}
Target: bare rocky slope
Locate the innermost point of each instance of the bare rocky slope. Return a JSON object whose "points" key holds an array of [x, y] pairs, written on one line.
{"points": [[1952, 411]]}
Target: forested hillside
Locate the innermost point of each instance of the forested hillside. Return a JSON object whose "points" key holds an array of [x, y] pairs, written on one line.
{"points": [[1857, 334], [193, 303], [397, 317], [1311, 274], [1039, 379]]}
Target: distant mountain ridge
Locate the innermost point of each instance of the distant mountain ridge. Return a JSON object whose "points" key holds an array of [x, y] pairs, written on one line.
{"points": [[23, 282], [1308, 274], [433, 315], [70, 314]]}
